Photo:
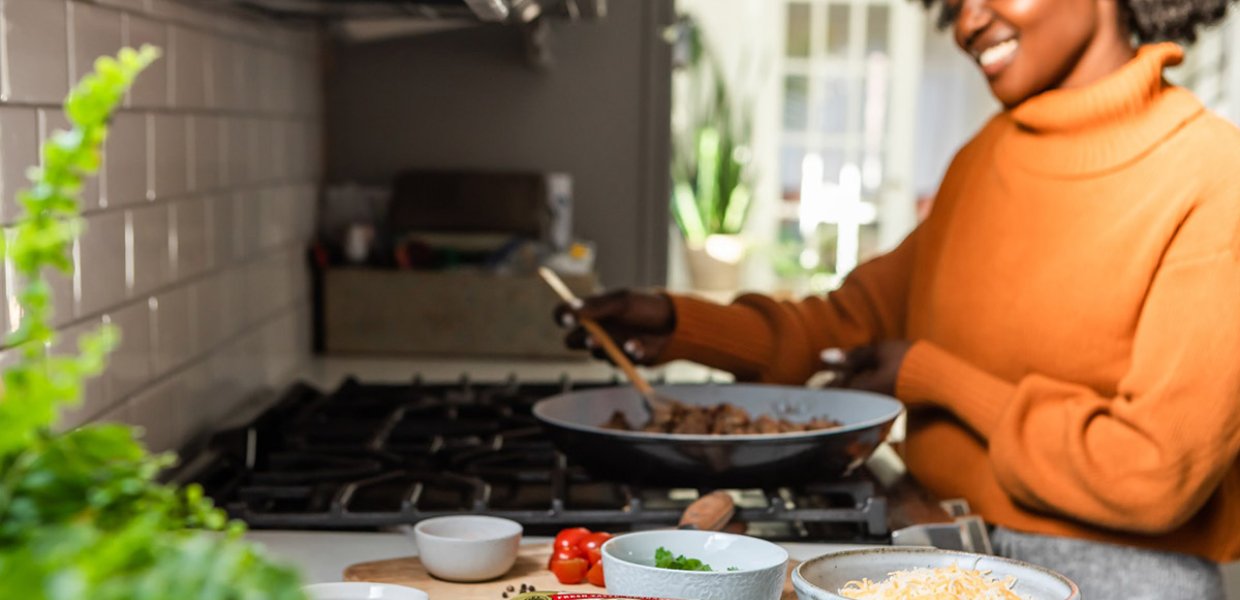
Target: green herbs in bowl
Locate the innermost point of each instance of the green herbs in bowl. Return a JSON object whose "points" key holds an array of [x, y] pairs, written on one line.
{"points": [[664, 559]]}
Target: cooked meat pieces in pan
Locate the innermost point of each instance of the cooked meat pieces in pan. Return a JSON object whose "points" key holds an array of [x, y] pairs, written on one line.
{"points": [[721, 419]]}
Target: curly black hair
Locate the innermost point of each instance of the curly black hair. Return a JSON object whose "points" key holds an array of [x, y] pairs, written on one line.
{"points": [[1148, 20]]}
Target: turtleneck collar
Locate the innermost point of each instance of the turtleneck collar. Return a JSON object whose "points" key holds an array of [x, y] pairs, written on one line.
{"points": [[1099, 127]]}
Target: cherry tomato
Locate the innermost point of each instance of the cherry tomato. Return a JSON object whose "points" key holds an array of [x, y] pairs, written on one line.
{"points": [[595, 575], [591, 545], [564, 554], [569, 538], [571, 571]]}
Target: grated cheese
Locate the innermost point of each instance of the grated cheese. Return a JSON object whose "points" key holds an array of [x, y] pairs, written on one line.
{"points": [[946, 583]]}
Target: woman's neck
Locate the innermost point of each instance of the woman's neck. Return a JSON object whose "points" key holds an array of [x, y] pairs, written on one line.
{"points": [[1110, 49]]}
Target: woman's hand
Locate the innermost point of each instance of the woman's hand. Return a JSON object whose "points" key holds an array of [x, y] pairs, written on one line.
{"points": [[873, 368], [640, 323]]}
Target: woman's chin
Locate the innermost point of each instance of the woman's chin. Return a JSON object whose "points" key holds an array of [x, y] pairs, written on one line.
{"points": [[1009, 96]]}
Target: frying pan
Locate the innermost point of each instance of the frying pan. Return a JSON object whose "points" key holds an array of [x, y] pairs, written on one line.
{"points": [[573, 420]]}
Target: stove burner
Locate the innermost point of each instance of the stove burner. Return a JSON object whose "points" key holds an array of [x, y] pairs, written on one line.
{"points": [[379, 456], [300, 467]]}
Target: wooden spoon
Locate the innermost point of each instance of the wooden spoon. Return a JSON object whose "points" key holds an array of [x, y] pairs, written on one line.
{"points": [[655, 404]]}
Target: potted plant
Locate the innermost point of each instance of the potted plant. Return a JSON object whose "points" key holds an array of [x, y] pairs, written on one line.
{"points": [[82, 514], [711, 193]]}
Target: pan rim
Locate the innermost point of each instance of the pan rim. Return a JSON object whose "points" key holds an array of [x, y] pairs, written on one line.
{"points": [[888, 417]]}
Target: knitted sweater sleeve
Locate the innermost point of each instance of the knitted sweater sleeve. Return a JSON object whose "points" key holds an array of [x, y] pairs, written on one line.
{"points": [[758, 338], [1146, 456]]}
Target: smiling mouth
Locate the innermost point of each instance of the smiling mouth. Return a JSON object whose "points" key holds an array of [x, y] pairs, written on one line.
{"points": [[995, 58]]}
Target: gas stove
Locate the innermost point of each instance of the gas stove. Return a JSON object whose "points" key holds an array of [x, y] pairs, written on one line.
{"points": [[373, 457]]}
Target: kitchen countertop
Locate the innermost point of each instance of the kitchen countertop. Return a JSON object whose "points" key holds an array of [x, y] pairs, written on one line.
{"points": [[323, 556]]}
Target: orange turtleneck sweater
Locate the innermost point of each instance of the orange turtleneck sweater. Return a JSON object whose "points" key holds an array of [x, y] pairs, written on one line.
{"points": [[1074, 306]]}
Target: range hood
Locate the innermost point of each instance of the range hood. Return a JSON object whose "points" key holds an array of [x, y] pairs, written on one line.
{"points": [[489, 11]]}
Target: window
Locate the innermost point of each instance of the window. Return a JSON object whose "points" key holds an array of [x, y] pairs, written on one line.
{"points": [[834, 153]]}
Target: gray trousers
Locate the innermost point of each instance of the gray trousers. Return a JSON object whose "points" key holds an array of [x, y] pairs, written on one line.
{"points": [[1110, 572]]}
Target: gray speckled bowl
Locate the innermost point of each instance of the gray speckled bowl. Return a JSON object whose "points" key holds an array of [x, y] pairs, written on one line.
{"points": [[628, 561], [820, 578]]}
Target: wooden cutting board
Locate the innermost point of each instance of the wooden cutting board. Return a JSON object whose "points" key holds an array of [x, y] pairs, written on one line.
{"points": [[530, 569]]}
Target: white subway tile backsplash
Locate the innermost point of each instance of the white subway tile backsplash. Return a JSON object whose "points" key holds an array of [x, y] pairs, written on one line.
{"points": [[190, 224], [275, 216], [314, 146], [96, 32], [276, 94], [299, 276], [249, 353], [208, 154], [304, 206], [247, 217], [130, 366], [149, 255], [19, 150], [210, 316], [235, 301], [295, 149], [180, 11], [226, 84], [37, 45], [280, 345], [171, 155], [151, 89], [226, 387], [125, 160], [191, 67], [173, 329], [102, 272], [240, 140], [223, 231], [252, 87], [271, 145], [199, 412], [265, 289], [129, 5], [156, 412], [222, 128], [208, 182]]}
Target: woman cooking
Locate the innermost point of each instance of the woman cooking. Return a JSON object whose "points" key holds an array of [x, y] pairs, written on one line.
{"points": [[1064, 327]]}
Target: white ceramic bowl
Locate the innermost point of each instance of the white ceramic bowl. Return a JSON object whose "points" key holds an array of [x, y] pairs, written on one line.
{"points": [[467, 547], [820, 578], [760, 566], [355, 590]]}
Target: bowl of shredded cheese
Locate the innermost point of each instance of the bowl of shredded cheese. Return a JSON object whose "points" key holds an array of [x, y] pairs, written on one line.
{"points": [[926, 574]]}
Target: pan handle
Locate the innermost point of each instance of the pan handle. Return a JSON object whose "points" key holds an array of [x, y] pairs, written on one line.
{"points": [[711, 512]]}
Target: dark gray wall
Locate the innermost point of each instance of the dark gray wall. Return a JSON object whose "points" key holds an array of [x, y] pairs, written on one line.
{"points": [[467, 99]]}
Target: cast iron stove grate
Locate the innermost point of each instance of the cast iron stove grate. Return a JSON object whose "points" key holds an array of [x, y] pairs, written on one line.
{"points": [[370, 457]]}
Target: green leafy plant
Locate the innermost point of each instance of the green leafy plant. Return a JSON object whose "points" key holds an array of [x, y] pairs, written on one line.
{"points": [[82, 514], [710, 146]]}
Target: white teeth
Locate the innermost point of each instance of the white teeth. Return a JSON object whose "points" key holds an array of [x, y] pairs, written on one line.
{"points": [[997, 53]]}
